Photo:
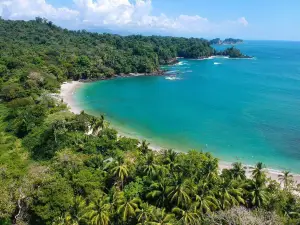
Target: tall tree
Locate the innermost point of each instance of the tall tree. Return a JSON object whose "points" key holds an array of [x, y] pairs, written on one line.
{"points": [[159, 191], [286, 178], [127, 208], [238, 171], [97, 124], [178, 191], [150, 167], [170, 160], [144, 147], [76, 214], [121, 172], [210, 168], [258, 193], [189, 216], [258, 172], [161, 217], [98, 211], [230, 194], [204, 197], [144, 213]]}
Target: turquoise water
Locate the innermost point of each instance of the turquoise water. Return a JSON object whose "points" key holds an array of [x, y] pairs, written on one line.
{"points": [[243, 109]]}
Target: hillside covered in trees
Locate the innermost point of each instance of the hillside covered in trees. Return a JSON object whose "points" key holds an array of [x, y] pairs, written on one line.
{"points": [[60, 168], [227, 41], [88, 55], [233, 52]]}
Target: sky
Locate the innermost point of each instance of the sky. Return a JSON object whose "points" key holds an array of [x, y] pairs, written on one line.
{"points": [[247, 19]]}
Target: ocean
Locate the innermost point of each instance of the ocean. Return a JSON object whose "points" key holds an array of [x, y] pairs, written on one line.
{"points": [[245, 110]]}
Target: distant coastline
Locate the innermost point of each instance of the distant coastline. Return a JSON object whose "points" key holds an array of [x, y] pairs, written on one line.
{"points": [[67, 93], [227, 41], [173, 61]]}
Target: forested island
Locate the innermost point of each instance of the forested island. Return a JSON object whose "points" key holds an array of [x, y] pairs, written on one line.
{"points": [[233, 53], [227, 41], [60, 168]]}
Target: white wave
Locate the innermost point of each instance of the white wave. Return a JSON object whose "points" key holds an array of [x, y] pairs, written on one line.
{"points": [[207, 58], [172, 78], [253, 58], [172, 71], [217, 63], [214, 57], [189, 71], [181, 63]]}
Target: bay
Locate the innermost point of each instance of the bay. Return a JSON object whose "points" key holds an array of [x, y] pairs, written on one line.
{"points": [[238, 109]]}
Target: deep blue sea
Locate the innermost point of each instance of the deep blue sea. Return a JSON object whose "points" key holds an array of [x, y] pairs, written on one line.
{"points": [[244, 110]]}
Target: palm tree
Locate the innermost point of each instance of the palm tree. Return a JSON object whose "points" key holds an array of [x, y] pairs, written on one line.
{"points": [[258, 172], [59, 221], [162, 171], [117, 197], [150, 167], [229, 194], [144, 213], [258, 193], [210, 169], [204, 198], [98, 211], [238, 171], [144, 147], [159, 192], [288, 208], [127, 208], [160, 217], [97, 124], [121, 172], [179, 192], [189, 216], [170, 160], [286, 178], [66, 219], [76, 212]]}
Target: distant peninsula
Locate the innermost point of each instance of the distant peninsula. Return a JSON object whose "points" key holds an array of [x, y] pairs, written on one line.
{"points": [[233, 52], [227, 41]]}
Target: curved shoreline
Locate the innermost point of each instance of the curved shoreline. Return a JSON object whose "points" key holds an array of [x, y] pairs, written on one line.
{"points": [[67, 92]]}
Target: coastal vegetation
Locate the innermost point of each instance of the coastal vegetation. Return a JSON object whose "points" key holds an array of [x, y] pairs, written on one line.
{"points": [[227, 41], [60, 168], [233, 52]]}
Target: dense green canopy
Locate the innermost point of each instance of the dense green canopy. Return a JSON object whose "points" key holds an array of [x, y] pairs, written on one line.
{"points": [[227, 41], [233, 52], [80, 54], [54, 171]]}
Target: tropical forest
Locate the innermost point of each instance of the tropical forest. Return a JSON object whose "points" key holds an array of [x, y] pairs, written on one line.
{"points": [[58, 168]]}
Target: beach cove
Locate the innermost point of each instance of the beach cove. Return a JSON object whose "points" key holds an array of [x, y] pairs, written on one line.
{"points": [[68, 95], [238, 109], [72, 94]]}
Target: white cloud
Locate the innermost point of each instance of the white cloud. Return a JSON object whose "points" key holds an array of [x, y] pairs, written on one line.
{"points": [[243, 21], [118, 14], [29, 9]]}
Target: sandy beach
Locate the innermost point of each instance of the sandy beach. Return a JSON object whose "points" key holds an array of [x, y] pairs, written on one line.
{"points": [[67, 95], [271, 173], [67, 91]]}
